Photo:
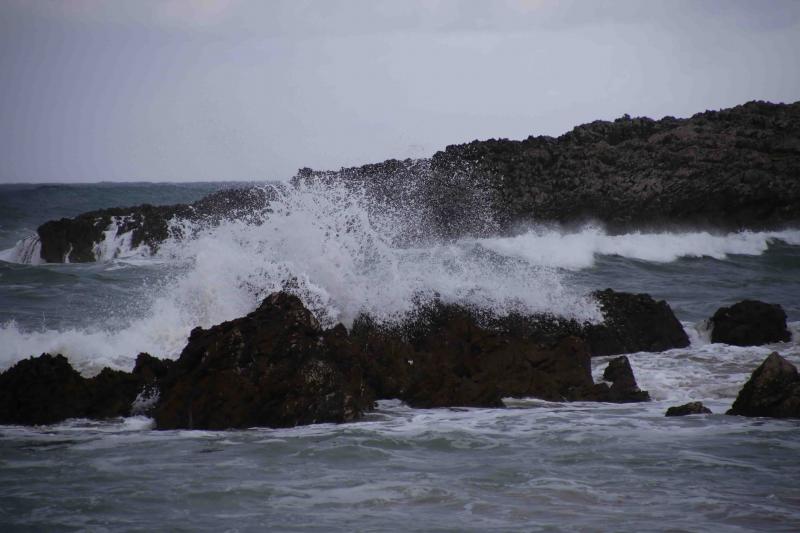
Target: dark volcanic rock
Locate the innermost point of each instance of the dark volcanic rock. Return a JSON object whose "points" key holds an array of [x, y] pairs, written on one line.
{"points": [[42, 390], [749, 323], [449, 355], [634, 323], [623, 384], [46, 389], [75, 239], [458, 361], [271, 368], [773, 390], [691, 408], [727, 169]]}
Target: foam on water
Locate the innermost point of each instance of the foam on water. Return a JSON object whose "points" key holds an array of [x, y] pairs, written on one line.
{"points": [[343, 254], [26, 251], [338, 251], [578, 250]]}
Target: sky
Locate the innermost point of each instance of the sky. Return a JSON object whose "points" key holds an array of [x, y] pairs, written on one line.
{"points": [[101, 90]]}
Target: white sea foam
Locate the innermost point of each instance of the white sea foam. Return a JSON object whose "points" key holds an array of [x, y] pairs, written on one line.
{"points": [[26, 251], [329, 245], [579, 249], [344, 255]]}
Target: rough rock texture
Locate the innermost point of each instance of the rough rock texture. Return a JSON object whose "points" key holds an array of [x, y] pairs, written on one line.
{"points": [[46, 389], [457, 361], [691, 408], [749, 323], [634, 323], [725, 170], [270, 368], [75, 239], [277, 367], [448, 355], [623, 387], [773, 390]]}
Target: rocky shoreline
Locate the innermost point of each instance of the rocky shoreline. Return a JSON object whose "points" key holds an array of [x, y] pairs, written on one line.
{"points": [[721, 170], [277, 367]]}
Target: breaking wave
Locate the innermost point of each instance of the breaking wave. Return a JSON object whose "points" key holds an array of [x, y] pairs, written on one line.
{"points": [[344, 253]]}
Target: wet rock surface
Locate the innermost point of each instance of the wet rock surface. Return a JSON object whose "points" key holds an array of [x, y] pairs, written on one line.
{"points": [[634, 323], [46, 389], [722, 170], [691, 408], [75, 239], [773, 390], [749, 323], [277, 367], [270, 368], [728, 169]]}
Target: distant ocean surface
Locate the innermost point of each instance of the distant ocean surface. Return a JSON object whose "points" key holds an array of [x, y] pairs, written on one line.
{"points": [[533, 466]]}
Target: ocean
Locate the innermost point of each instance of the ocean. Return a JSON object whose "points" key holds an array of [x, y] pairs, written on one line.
{"points": [[533, 466]]}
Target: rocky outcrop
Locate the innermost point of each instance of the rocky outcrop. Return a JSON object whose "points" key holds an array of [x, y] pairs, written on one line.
{"points": [[724, 170], [46, 389], [634, 323], [691, 408], [79, 239], [449, 355], [277, 367], [623, 383], [749, 323], [729, 169], [773, 390], [271, 368]]}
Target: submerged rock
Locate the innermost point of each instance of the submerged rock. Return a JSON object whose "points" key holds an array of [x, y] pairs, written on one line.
{"points": [[773, 390], [634, 323], [691, 408], [271, 368], [749, 323]]}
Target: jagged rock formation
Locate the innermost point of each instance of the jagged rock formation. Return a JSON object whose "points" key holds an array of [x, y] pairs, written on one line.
{"points": [[691, 408], [634, 323], [749, 323], [271, 368], [773, 390], [46, 389], [277, 367], [729, 169], [721, 170], [76, 239]]}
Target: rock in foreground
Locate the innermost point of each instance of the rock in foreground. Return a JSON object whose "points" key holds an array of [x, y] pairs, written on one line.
{"points": [[634, 323], [270, 368], [773, 390], [46, 389], [691, 408], [277, 367], [749, 323]]}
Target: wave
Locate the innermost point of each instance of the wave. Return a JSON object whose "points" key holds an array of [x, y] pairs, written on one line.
{"points": [[578, 250], [342, 253]]}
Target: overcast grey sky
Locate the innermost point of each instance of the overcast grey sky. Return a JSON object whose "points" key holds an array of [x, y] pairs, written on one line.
{"points": [[234, 90]]}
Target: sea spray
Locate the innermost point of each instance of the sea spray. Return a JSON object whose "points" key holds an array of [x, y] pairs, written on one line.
{"points": [[341, 251]]}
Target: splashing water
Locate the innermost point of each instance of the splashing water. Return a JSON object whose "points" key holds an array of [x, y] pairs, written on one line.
{"points": [[341, 252]]}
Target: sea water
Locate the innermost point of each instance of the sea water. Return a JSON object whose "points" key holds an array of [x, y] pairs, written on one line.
{"points": [[532, 466]]}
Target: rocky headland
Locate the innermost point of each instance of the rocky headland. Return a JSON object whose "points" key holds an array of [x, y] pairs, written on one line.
{"points": [[721, 170]]}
